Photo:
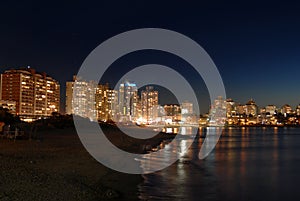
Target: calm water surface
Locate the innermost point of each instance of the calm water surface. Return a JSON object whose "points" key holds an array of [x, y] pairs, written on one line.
{"points": [[247, 164]]}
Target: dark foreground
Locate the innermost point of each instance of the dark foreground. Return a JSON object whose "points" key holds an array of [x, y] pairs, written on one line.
{"points": [[250, 164], [57, 167]]}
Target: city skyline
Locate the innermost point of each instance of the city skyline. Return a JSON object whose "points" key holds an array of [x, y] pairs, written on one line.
{"points": [[250, 101], [126, 105], [138, 90]]}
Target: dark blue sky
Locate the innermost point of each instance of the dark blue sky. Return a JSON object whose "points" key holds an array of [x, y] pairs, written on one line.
{"points": [[255, 45]]}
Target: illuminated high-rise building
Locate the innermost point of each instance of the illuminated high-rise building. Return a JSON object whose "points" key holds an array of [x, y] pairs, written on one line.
{"points": [[286, 109], [90, 100], [298, 110], [80, 98], [36, 94], [187, 108], [127, 98], [230, 108], [101, 98], [136, 107], [69, 96], [217, 114], [270, 109], [112, 101], [187, 113], [172, 112], [149, 103], [251, 108], [106, 103]]}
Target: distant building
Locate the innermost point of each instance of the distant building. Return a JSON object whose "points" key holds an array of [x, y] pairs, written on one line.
{"points": [[80, 98], [298, 110], [187, 113], [236, 110], [149, 103], [286, 109], [106, 103], [101, 101], [112, 101], [97, 102], [159, 114], [251, 108], [69, 96], [128, 99], [262, 110], [217, 115], [270, 109], [187, 108], [240, 109], [173, 112], [136, 107], [230, 108], [36, 94]]}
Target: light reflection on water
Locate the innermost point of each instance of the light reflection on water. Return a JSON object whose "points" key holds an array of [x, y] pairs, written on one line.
{"points": [[247, 164], [168, 152]]}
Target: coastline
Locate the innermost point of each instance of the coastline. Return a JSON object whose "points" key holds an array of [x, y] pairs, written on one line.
{"points": [[57, 167]]}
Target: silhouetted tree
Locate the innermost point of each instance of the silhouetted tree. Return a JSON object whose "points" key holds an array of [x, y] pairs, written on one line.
{"points": [[7, 117]]}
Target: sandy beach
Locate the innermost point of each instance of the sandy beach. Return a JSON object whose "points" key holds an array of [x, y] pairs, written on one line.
{"points": [[57, 167]]}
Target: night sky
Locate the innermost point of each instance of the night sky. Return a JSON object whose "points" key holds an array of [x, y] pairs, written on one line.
{"points": [[255, 45]]}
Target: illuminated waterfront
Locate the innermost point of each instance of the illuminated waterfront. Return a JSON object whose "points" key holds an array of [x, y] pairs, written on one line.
{"points": [[247, 164]]}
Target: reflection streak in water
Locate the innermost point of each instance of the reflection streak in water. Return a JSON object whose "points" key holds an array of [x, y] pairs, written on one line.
{"points": [[247, 164]]}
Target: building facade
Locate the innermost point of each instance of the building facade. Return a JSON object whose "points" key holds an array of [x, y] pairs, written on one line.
{"points": [[149, 103], [251, 108], [298, 110], [187, 113], [106, 103], [270, 109], [230, 108], [217, 114], [80, 98], [36, 94], [127, 97], [286, 110], [69, 96], [172, 113]]}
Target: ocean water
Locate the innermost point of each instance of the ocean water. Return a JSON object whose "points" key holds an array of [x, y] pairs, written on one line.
{"points": [[250, 164]]}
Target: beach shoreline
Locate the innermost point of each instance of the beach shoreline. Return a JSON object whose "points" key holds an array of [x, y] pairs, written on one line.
{"points": [[56, 166]]}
